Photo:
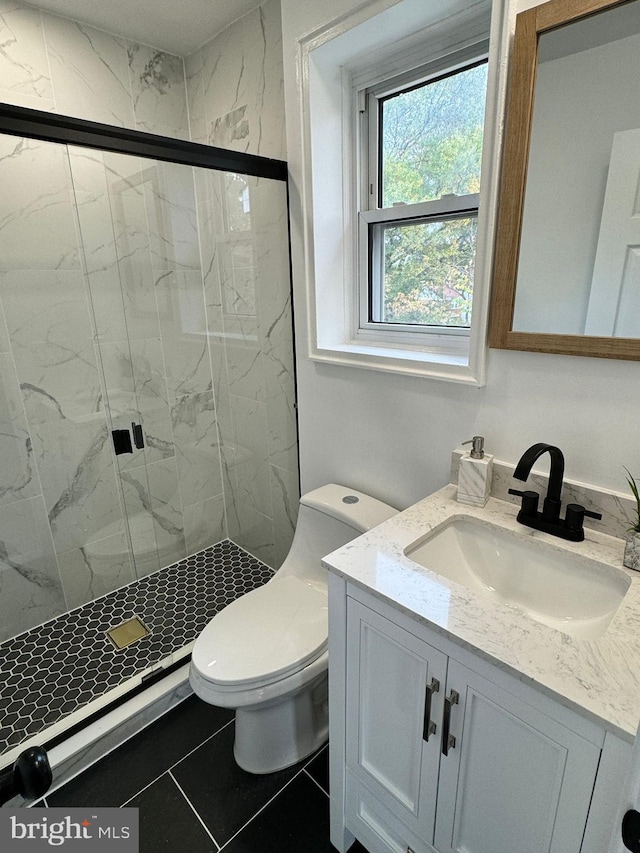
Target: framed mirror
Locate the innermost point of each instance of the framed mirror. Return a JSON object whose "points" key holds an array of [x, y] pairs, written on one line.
{"points": [[567, 263]]}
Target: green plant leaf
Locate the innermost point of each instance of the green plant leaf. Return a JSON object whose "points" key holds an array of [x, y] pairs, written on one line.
{"points": [[635, 491]]}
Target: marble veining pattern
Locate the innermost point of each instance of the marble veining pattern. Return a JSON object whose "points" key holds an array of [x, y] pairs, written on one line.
{"points": [[59, 381], [198, 448], [235, 86], [89, 72], [474, 480], [53, 63], [87, 574], [45, 306], [152, 505], [37, 229], [25, 77], [204, 523], [171, 216], [30, 586], [247, 295], [19, 476], [158, 89], [598, 677], [76, 469]]}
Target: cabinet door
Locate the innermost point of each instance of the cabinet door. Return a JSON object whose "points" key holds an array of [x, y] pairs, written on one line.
{"points": [[390, 683], [515, 779]]}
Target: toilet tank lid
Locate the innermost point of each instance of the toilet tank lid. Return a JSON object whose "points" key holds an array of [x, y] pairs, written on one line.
{"points": [[358, 510]]}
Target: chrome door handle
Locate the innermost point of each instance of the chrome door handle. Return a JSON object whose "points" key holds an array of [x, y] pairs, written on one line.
{"points": [[428, 725], [448, 740]]}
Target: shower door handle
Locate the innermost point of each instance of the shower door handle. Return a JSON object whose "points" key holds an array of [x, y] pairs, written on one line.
{"points": [[138, 438], [121, 441]]}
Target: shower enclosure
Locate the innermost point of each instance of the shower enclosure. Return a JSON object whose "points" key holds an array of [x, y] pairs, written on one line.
{"points": [[146, 367]]}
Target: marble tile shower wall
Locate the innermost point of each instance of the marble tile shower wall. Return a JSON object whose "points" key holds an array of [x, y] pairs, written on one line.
{"points": [[236, 100], [235, 86], [246, 263], [125, 320], [55, 64]]}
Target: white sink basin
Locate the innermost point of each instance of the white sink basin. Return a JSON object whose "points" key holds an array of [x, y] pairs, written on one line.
{"points": [[574, 594]]}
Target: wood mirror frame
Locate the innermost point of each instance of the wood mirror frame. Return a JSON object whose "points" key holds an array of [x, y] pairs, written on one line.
{"points": [[530, 25]]}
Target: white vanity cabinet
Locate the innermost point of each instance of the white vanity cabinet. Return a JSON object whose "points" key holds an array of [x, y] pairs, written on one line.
{"points": [[392, 743], [433, 748]]}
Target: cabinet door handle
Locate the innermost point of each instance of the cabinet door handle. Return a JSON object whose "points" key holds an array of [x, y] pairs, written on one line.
{"points": [[428, 725], [448, 740]]}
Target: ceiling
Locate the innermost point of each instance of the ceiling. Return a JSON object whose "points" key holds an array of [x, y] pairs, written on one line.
{"points": [[176, 26]]}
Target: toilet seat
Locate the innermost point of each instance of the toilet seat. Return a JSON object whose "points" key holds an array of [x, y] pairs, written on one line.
{"points": [[263, 636]]}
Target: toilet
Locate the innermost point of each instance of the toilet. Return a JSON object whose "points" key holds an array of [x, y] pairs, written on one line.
{"points": [[265, 654]]}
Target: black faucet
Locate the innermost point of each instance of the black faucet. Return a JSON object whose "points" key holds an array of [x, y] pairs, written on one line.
{"points": [[549, 521]]}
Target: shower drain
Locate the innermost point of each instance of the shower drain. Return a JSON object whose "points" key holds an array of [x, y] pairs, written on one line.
{"points": [[127, 633]]}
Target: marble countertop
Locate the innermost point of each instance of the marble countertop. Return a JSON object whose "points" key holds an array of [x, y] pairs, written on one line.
{"points": [[600, 677]]}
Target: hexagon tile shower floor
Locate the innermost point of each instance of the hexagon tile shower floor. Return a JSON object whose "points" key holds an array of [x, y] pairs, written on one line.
{"points": [[61, 666]]}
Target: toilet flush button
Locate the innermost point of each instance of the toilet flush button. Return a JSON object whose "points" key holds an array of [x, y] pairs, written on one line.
{"points": [[350, 499]]}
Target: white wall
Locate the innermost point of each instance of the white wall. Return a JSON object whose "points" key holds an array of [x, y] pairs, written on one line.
{"points": [[393, 435]]}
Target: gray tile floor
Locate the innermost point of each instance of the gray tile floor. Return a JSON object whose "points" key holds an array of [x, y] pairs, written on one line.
{"points": [[193, 798]]}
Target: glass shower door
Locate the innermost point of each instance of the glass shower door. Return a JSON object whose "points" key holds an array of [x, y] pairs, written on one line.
{"points": [[59, 489], [133, 292], [140, 246], [103, 327]]}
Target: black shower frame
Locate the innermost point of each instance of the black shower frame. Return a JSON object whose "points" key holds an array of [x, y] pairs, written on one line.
{"points": [[68, 130], [51, 127]]}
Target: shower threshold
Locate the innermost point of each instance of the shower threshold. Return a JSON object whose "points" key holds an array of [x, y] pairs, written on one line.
{"points": [[55, 676]]}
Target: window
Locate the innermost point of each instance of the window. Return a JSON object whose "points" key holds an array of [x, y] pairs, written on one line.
{"points": [[421, 147], [352, 318]]}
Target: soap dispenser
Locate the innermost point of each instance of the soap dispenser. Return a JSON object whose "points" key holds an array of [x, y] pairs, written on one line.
{"points": [[474, 474]]}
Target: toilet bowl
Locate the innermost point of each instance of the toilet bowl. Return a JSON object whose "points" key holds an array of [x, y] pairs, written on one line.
{"points": [[265, 654]]}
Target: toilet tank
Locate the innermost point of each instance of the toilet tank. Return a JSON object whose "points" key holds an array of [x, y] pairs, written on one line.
{"points": [[328, 518]]}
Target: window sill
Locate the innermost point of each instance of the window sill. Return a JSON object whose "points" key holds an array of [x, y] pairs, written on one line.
{"points": [[435, 365]]}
